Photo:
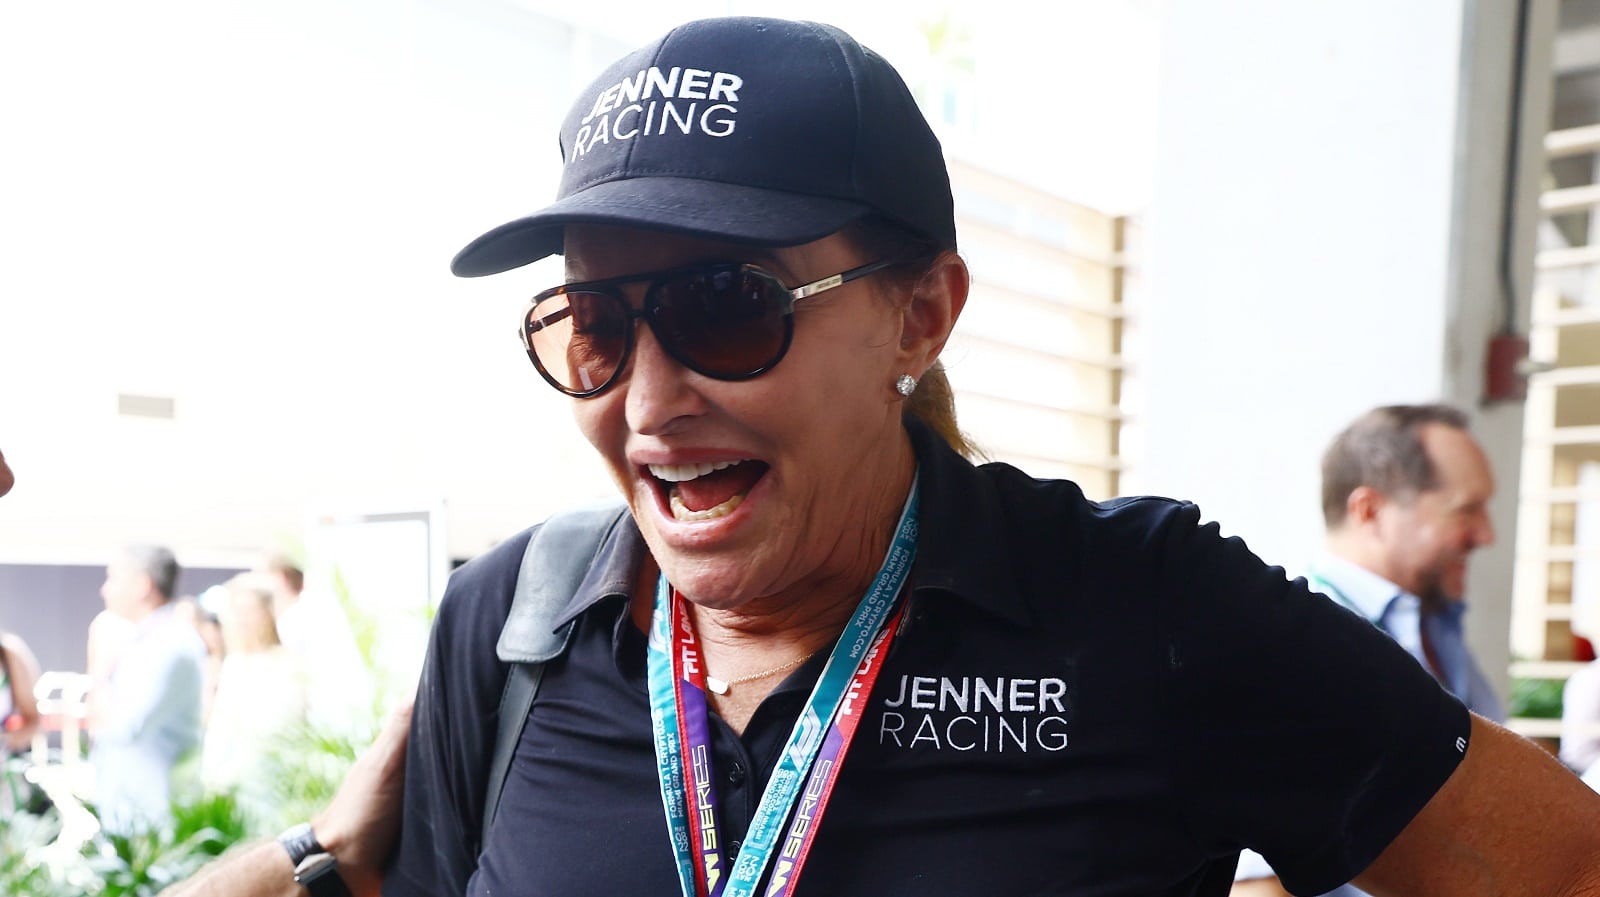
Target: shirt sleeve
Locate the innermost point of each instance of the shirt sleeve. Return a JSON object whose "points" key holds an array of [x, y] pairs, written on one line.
{"points": [[1298, 729], [453, 724]]}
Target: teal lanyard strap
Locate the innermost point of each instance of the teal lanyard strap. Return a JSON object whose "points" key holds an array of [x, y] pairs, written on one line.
{"points": [[788, 778]]}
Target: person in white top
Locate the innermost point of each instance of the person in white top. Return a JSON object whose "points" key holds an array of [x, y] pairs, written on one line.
{"points": [[313, 626], [261, 697], [148, 711]]}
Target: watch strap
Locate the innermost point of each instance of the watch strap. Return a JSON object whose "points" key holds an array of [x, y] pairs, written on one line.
{"points": [[315, 869], [319, 875]]}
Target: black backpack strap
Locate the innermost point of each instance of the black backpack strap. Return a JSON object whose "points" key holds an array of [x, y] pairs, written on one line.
{"points": [[554, 564]]}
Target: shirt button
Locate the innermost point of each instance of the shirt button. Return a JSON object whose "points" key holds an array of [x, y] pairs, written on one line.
{"points": [[733, 847], [736, 774]]}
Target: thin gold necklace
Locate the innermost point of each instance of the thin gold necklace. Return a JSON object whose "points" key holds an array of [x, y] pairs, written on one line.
{"points": [[721, 686]]}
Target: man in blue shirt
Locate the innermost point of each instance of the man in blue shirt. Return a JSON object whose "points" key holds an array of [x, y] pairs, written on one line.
{"points": [[1405, 497], [147, 711]]}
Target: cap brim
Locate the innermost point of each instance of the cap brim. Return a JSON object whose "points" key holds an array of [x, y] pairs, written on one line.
{"points": [[695, 208]]}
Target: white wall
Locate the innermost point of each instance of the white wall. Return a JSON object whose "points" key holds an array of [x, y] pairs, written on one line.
{"points": [[1323, 238]]}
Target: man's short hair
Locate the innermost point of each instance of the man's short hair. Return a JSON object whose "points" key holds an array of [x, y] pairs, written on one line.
{"points": [[1383, 449], [158, 563]]}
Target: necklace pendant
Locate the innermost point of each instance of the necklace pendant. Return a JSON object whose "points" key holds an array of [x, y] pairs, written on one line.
{"points": [[716, 685]]}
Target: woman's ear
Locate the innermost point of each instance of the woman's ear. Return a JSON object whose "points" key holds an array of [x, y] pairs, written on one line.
{"points": [[927, 319]]}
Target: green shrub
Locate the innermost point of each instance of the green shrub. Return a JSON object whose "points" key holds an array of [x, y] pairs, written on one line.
{"points": [[1536, 698]]}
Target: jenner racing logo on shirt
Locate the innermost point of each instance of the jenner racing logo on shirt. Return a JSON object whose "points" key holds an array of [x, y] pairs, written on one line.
{"points": [[991, 714], [655, 102]]}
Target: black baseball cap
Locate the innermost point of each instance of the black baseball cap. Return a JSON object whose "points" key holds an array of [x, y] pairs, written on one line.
{"points": [[750, 130]]}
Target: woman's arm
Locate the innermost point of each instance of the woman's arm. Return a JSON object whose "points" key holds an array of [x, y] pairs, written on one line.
{"points": [[1509, 820]]}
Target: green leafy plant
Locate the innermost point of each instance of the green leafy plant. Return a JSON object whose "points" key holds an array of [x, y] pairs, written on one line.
{"points": [[1536, 698], [306, 766], [24, 840]]}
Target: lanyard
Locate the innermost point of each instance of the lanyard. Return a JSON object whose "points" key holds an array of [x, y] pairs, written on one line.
{"points": [[808, 767]]}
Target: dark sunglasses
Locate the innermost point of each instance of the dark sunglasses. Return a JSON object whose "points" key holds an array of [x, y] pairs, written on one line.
{"points": [[727, 321]]}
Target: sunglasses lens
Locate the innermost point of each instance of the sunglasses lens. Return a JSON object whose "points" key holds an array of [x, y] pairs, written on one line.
{"points": [[578, 339], [728, 322]]}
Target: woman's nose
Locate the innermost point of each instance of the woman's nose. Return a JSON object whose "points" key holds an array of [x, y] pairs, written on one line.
{"points": [[660, 390]]}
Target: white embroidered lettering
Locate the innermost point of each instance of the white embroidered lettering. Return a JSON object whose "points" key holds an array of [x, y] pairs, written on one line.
{"points": [[684, 123], [899, 696], [725, 87], [1022, 694], [956, 694], [723, 126], [950, 733], [694, 84], [884, 729], [986, 694], [645, 104], [1051, 691], [616, 126], [657, 84], [1051, 734]]}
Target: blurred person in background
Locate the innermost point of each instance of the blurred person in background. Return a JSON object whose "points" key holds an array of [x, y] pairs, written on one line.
{"points": [[108, 634], [357, 829], [1580, 722], [261, 694], [313, 625], [147, 707], [19, 712], [209, 628], [1405, 501]]}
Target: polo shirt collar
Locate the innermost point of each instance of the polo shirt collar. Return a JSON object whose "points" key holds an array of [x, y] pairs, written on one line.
{"points": [[1368, 594], [962, 547], [612, 572]]}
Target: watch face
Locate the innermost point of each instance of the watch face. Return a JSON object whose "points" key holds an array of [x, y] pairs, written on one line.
{"points": [[314, 867], [319, 875]]}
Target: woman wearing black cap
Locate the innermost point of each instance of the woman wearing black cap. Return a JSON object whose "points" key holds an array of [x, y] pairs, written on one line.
{"points": [[822, 653]]}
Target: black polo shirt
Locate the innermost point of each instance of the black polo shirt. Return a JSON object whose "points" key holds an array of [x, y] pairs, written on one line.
{"points": [[1089, 698]]}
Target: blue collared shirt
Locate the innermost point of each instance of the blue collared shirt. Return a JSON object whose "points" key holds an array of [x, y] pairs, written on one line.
{"points": [[1399, 614], [150, 719]]}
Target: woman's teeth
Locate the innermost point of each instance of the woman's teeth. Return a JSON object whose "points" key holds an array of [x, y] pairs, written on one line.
{"points": [[677, 473], [682, 512], [673, 474]]}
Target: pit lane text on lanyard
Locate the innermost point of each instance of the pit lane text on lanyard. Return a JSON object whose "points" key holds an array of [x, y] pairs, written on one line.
{"points": [[812, 755]]}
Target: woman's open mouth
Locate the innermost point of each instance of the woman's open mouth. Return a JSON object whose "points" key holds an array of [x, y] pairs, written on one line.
{"points": [[708, 490]]}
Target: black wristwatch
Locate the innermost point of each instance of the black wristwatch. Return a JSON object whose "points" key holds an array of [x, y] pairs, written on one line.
{"points": [[315, 869]]}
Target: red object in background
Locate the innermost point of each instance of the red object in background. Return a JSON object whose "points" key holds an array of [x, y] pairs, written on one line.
{"points": [[1582, 648], [1504, 378]]}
